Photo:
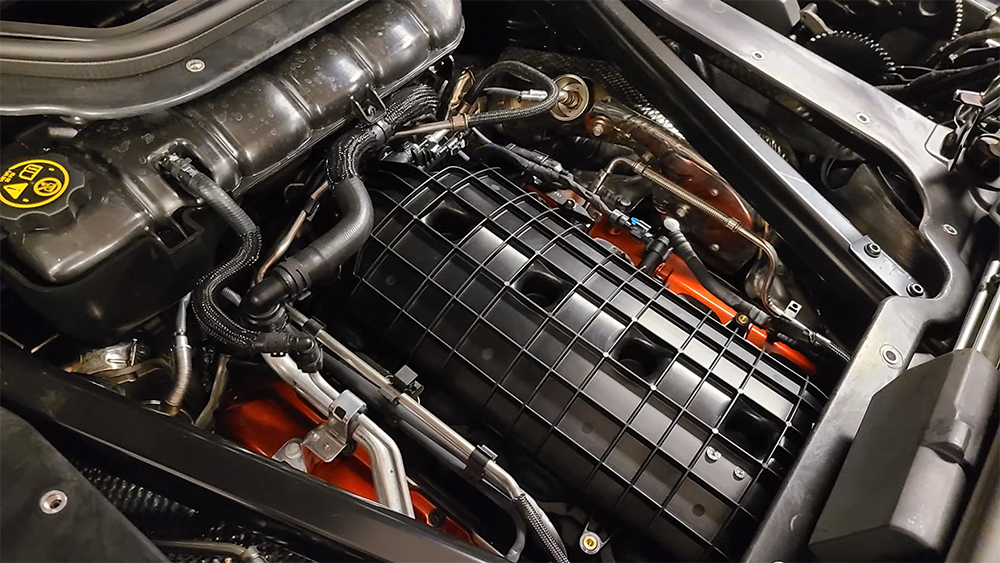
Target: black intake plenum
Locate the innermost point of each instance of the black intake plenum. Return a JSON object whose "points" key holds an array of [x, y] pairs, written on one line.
{"points": [[644, 405]]}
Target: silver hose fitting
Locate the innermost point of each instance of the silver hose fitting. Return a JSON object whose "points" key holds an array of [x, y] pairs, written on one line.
{"points": [[183, 360]]}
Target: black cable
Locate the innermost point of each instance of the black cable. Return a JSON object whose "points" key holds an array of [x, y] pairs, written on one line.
{"points": [[683, 250], [960, 42]]}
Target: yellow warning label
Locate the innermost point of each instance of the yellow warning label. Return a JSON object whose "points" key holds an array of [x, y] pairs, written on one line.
{"points": [[48, 181]]}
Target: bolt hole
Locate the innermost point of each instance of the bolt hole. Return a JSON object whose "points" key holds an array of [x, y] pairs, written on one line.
{"points": [[698, 510]]}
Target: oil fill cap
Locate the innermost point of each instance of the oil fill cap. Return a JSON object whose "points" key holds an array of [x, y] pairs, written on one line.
{"points": [[40, 193]]}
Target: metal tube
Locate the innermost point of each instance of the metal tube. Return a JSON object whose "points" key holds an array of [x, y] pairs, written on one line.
{"points": [[388, 476], [388, 473], [286, 240], [445, 436], [968, 334], [183, 363], [218, 386], [731, 223]]}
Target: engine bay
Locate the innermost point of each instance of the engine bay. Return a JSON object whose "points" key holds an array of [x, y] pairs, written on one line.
{"points": [[501, 280]]}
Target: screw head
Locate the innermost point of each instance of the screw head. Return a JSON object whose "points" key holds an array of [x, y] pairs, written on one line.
{"points": [[863, 118], [915, 290], [743, 319], [712, 454], [714, 247], [873, 250], [195, 65], [590, 543], [53, 501], [949, 229], [739, 473]]}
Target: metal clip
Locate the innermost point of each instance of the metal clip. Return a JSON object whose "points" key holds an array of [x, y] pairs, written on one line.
{"points": [[328, 440], [371, 109]]}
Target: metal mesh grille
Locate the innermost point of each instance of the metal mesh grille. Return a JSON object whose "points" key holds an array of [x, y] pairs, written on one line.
{"points": [[643, 403]]}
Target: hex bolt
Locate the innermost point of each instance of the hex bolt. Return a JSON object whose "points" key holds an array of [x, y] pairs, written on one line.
{"points": [[195, 65], [915, 290], [873, 250], [53, 501], [739, 473], [984, 155], [712, 454], [590, 543], [863, 118]]}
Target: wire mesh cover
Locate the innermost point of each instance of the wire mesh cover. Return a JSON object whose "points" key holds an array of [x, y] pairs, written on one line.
{"points": [[641, 402]]}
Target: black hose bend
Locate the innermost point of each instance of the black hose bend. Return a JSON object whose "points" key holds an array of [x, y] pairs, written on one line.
{"points": [[519, 70], [683, 250], [325, 254], [214, 322]]}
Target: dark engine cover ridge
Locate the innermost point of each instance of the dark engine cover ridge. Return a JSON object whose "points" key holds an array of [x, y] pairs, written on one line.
{"points": [[645, 406]]}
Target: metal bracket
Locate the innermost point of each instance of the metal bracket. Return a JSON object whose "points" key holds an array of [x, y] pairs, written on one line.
{"points": [[291, 453], [328, 440], [885, 268], [370, 108]]}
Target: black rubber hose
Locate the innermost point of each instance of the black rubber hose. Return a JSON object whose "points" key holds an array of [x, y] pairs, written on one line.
{"points": [[520, 70], [324, 255], [214, 322], [682, 249]]}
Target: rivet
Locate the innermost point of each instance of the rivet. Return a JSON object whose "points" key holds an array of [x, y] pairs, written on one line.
{"points": [[949, 229], [757, 55], [891, 356], [863, 118], [915, 290], [195, 65]]}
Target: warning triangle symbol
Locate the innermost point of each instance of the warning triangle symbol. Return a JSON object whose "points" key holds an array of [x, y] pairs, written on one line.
{"points": [[15, 189]]}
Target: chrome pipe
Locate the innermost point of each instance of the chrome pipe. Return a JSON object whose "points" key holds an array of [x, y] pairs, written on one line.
{"points": [[982, 322], [388, 473]]}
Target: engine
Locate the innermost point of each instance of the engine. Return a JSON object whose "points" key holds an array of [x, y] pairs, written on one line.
{"points": [[445, 280]]}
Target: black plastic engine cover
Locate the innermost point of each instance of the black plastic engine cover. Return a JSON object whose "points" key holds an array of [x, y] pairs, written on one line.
{"points": [[644, 405]]}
